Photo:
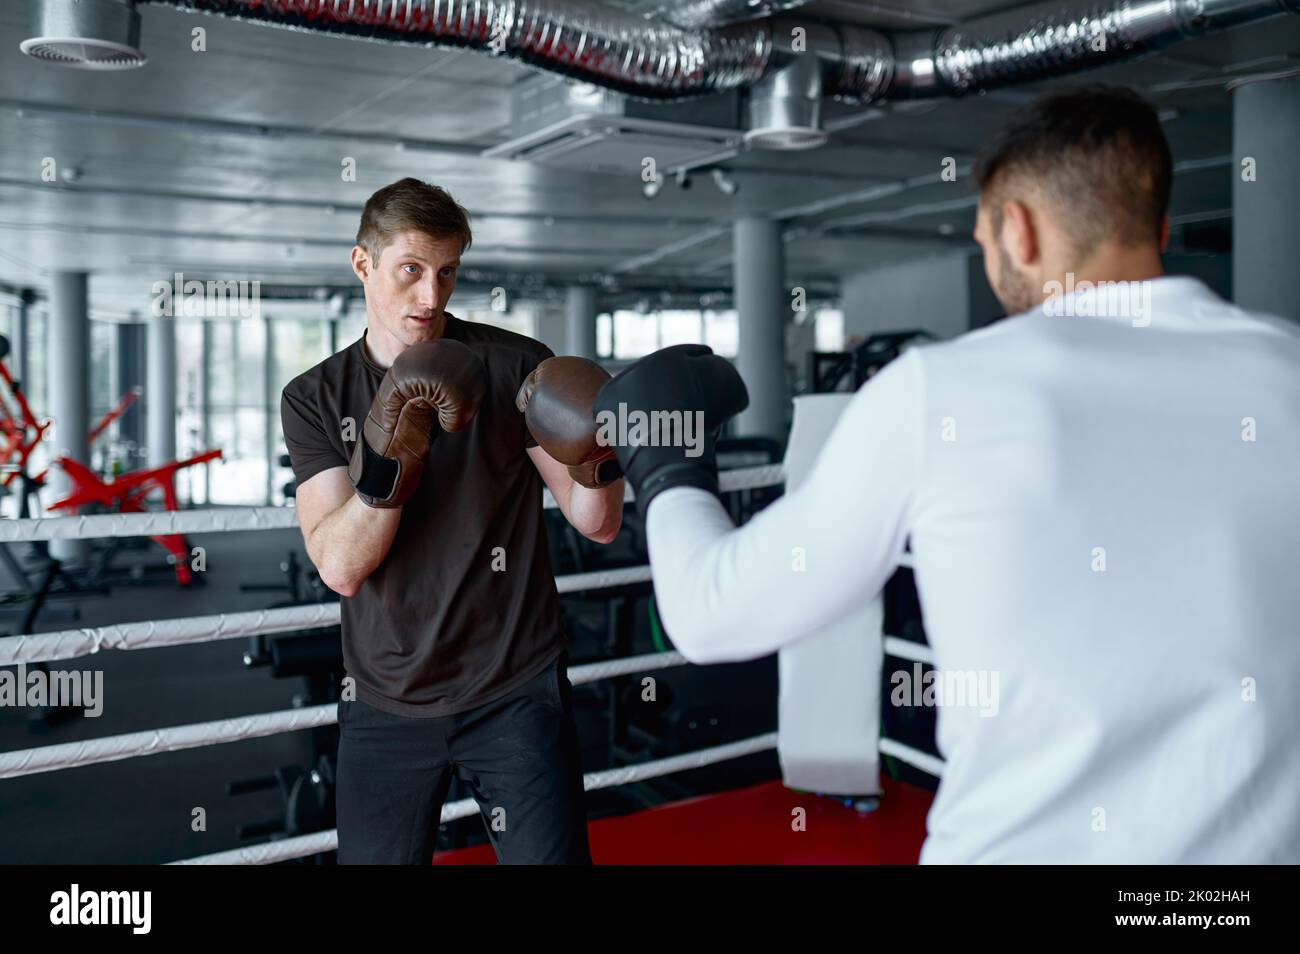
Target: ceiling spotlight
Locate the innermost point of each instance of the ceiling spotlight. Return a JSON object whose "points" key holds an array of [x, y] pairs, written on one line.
{"points": [[683, 179], [724, 182], [651, 188]]}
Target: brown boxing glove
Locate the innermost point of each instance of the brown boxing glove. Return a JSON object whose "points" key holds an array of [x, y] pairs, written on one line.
{"points": [[556, 403], [442, 377]]}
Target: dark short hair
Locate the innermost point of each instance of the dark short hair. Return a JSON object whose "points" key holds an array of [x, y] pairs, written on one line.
{"points": [[411, 204], [1096, 152]]}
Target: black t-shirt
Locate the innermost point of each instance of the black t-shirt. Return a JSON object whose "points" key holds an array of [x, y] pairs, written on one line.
{"points": [[463, 609]]}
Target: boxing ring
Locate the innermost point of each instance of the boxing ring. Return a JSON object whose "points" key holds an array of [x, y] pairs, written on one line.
{"points": [[832, 675]]}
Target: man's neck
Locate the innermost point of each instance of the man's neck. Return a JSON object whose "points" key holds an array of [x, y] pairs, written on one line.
{"points": [[383, 348], [1114, 264]]}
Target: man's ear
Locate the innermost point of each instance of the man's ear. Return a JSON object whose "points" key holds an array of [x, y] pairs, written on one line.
{"points": [[361, 263], [1019, 232], [1164, 233]]}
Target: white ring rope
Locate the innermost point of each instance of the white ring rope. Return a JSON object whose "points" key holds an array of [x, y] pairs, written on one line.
{"points": [[151, 634], [930, 764], [152, 523], [317, 842], [573, 582], [67, 644], [906, 649], [595, 672], [271, 852], [222, 520], [113, 748]]}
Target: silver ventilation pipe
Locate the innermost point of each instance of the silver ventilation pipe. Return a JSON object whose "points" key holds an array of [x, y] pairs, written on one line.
{"points": [[785, 105], [579, 38], [658, 60], [710, 13], [1054, 39]]}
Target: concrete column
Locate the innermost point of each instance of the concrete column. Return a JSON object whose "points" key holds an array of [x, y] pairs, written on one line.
{"points": [[68, 360], [1266, 212], [580, 321], [762, 307], [160, 389]]}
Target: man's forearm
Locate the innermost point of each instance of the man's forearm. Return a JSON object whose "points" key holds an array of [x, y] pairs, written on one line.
{"points": [[597, 513], [349, 543], [726, 593]]}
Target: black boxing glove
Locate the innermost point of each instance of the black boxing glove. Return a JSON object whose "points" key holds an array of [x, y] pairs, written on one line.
{"points": [[665, 387]]}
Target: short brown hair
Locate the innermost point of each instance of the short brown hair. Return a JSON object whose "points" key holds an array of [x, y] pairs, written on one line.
{"points": [[411, 204], [1097, 153]]}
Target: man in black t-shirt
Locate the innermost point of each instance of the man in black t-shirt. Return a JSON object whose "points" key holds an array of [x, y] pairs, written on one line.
{"points": [[419, 496]]}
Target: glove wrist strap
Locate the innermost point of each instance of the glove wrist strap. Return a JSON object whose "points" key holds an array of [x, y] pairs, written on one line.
{"points": [[378, 474]]}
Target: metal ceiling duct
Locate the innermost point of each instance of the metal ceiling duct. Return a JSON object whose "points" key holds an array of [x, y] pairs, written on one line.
{"points": [[88, 35], [579, 38], [1053, 39], [785, 107], [708, 13], [658, 60]]}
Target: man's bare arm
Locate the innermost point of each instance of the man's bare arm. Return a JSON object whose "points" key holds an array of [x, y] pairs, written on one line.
{"points": [[595, 513], [345, 539]]}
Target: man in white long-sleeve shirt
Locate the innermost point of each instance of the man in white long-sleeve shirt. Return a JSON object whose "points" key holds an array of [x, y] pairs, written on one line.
{"points": [[1102, 495]]}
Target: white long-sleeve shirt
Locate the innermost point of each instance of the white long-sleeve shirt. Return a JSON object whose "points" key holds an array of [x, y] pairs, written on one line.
{"points": [[1105, 513]]}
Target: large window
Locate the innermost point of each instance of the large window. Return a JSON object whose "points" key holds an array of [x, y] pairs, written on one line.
{"points": [[722, 333], [35, 387], [297, 346], [519, 319], [229, 375], [191, 436], [829, 330], [680, 327], [228, 380], [635, 334], [237, 419], [628, 335], [103, 352]]}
